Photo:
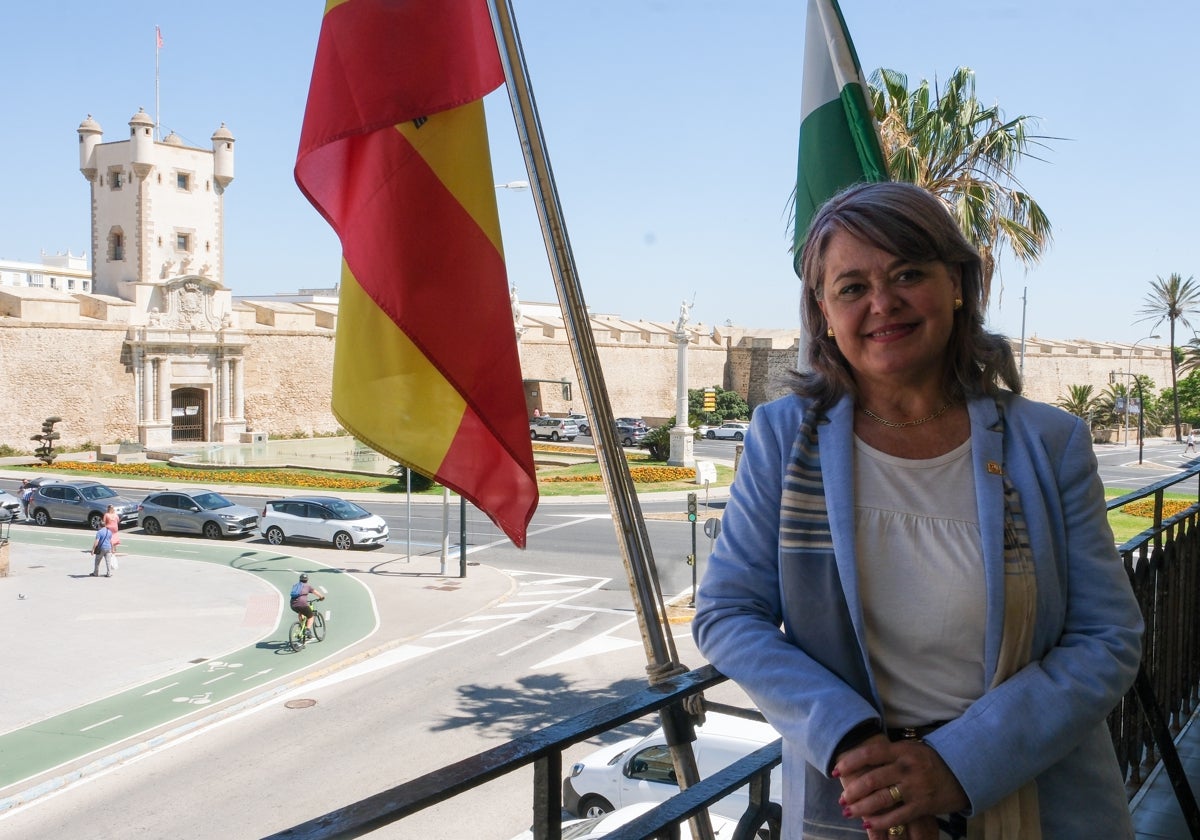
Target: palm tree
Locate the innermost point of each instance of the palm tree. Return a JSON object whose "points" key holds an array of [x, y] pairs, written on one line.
{"points": [[1172, 300], [1081, 400], [946, 141]]}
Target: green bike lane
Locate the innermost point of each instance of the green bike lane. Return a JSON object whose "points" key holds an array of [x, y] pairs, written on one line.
{"points": [[187, 688]]}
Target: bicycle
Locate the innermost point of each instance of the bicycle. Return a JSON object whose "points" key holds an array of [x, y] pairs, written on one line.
{"points": [[298, 639]]}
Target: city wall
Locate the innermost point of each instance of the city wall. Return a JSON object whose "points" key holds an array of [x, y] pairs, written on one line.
{"points": [[79, 373]]}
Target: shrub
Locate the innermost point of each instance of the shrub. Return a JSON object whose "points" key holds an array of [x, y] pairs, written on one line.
{"points": [[420, 481]]}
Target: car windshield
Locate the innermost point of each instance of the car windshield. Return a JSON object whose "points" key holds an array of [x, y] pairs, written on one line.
{"points": [[96, 491], [211, 501], [341, 509]]}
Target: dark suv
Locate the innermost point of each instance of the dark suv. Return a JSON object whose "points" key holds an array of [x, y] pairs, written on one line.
{"points": [[79, 501]]}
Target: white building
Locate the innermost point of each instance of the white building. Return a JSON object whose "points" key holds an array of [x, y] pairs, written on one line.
{"points": [[61, 272]]}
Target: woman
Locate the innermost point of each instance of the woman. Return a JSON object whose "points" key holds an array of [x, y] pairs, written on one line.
{"points": [[915, 579], [112, 522]]}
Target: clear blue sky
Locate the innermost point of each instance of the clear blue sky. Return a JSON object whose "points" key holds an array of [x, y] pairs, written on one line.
{"points": [[671, 128]]}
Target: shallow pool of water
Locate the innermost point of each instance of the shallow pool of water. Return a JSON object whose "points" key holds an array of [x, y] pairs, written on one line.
{"points": [[330, 453]]}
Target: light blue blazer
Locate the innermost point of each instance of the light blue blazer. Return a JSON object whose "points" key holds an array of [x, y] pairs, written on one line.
{"points": [[794, 638]]}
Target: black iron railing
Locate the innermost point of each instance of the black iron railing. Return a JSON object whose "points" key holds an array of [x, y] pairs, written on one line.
{"points": [[1163, 563]]}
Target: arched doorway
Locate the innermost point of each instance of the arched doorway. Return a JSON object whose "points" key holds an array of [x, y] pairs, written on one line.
{"points": [[188, 415]]}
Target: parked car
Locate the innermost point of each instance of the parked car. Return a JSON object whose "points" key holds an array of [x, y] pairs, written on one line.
{"points": [[321, 519], [640, 769], [601, 826], [79, 501], [630, 435], [585, 428], [728, 431], [195, 512], [632, 421], [554, 428], [11, 504]]}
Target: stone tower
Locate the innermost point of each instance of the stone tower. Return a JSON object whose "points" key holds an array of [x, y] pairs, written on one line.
{"points": [[158, 241], [157, 210]]}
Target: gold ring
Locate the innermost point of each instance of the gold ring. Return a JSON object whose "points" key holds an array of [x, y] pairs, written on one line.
{"points": [[897, 830], [897, 797]]}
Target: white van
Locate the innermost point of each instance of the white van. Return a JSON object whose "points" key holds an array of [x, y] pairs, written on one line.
{"points": [[640, 769]]}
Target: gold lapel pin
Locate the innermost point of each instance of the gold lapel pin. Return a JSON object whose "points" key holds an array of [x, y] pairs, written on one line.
{"points": [[994, 468]]}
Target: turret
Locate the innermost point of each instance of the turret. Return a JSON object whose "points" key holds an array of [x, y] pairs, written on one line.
{"points": [[89, 138], [141, 134], [222, 141]]}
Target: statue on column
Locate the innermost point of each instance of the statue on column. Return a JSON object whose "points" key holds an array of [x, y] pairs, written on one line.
{"points": [[685, 310]]}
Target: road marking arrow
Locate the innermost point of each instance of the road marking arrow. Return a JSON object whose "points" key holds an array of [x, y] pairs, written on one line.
{"points": [[160, 688]]}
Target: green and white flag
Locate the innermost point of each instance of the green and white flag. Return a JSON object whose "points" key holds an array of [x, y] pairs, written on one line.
{"points": [[839, 143]]}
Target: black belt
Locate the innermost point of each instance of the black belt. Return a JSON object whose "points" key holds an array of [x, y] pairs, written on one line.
{"points": [[913, 733]]}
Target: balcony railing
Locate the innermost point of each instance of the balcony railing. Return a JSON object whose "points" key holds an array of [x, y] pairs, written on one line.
{"points": [[1163, 563]]}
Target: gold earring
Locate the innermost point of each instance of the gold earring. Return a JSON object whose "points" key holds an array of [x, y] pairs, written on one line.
{"points": [[829, 332], [957, 304]]}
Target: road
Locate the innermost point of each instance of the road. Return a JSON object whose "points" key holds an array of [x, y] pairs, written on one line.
{"points": [[564, 638]]}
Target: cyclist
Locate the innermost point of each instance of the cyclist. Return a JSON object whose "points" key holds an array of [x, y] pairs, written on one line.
{"points": [[300, 596]]}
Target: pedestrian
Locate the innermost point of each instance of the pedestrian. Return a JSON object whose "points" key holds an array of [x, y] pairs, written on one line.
{"points": [[1191, 443], [113, 522], [915, 579], [102, 550], [26, 495]]}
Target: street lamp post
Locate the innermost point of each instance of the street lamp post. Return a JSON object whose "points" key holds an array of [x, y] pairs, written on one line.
{"points": [[1141, 426]]}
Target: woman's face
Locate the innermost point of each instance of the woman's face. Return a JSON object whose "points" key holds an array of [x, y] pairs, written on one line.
{"points": [[891, 318]]}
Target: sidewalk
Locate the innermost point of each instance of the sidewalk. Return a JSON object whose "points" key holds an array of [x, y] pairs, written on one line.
{"points": [[72, 639]]}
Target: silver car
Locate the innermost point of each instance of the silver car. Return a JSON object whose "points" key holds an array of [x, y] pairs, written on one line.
{"points": [[79, 501], [195, 512], [554, 428], [11, 504]]}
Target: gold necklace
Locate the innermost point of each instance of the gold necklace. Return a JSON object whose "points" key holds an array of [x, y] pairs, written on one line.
{"points": [[894, 425]]}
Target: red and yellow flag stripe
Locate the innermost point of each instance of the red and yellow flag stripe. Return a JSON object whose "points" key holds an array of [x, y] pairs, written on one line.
{"points": [[394, 154]]}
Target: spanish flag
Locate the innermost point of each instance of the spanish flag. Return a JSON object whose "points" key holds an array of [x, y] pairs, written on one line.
{"points": [[394, 154]]}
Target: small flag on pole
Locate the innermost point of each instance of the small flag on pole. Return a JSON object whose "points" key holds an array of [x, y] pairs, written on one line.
{"points": [[839, 143], [394, 154], [158, 37]]}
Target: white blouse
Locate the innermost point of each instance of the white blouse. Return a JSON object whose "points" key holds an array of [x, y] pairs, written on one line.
{"points": [[921, 582]]}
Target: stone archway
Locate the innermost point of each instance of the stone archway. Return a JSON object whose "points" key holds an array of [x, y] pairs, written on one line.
{"points": [[188, 415]]}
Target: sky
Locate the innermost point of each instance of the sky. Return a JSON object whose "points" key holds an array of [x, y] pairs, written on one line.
{"points": [[671, 128]]}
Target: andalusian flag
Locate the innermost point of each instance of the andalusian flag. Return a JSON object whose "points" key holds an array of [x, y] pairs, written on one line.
{"points": [[394, 154], [839, 144]]}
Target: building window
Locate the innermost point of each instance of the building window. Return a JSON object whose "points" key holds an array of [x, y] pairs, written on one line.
{"points": [[116, 179], [116, 244], [183, 181], [182, 242], [70, 284], [36, 279]]}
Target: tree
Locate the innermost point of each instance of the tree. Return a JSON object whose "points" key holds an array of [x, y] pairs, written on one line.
{"points": [[730, 406], [1081, 400], [946, 141], [1172, 300]]}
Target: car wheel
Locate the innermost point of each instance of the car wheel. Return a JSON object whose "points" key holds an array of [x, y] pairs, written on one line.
{"points": [[95, 520], [586, 431], [274, 535], [150, 526], [342, 541], [571, 438], [41, 516], [627, 442], [594, 806], [554, 436], [738, 436], [711, 435], [211, 531], [533, 435]]}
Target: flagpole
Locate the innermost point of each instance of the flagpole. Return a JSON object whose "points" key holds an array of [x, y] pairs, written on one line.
{"points": [[632, 536]]}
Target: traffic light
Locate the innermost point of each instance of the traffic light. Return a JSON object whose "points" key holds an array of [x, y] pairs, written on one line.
{"points": [[691, 509], [710, 399]]}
